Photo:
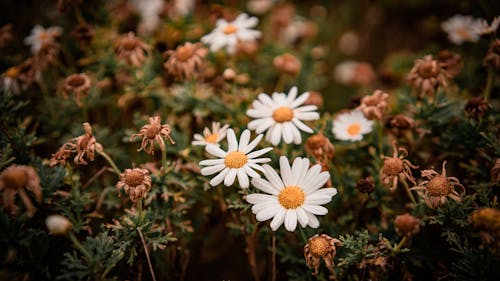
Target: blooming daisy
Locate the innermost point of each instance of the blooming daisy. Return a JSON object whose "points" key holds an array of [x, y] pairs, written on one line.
{"points": [[462, 29], [281, 116], [40, 36], [351, 126], [295, 196], [211, 137], [237, 161], [226, 34]]}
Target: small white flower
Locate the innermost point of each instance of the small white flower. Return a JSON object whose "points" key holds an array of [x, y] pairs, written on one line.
{"points": [[487, 29], [40, 36], [281, 116], [295, 196], [226, 34], [462, 29], [211, 137], [239, 161], [351, 126]]}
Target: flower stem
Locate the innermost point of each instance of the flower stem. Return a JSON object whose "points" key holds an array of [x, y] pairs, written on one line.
{"points": [[273, 261], [143, 241], [303, 234], [139, 212], [164, 159], [79, 246], [110, 161], [408, 191], [400, 245], [489, 83]]}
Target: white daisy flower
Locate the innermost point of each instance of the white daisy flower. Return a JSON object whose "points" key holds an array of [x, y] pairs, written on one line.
{"points": [[226, 34], [211, 137], [351, 126], [40, 36], [281, 116], [295, 196], [239, 160], [462, 29]]}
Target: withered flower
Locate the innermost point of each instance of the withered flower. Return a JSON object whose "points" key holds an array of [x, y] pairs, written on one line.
{"points": [[475, 108], [17, 179], [400, 123], [6, 35], [315, 98], [84, 146], [427, 75], [60, 157], [132, 49], [365, 185], [374, 106], [47, 55], [287, 63], [77, 84], [320, 147], [406, 225], [136, 183], [186, 61], [492, 57], [451, 62], [487, 221], [27, 73], [396, 168], [438, 187], [154, 131], [84, 33], [321, 247]]}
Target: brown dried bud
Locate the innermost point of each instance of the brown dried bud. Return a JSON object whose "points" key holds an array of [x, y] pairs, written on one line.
{"points": [[407, 225], [288, 64], [492, 57], [320, 147], [84, 33], [136, 183], [365, 185], [400, 123], [475, 108], [315, 98], [450, 62]]}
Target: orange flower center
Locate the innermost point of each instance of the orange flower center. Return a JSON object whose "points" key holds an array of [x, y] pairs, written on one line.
{"points": [[393, 166], [291, 197], [464, 33], [354, 129], [134, 178], [76, 81], [183, 53], [283, 114], [15, 178], [235, 160], [129, 44], [43, 36], [319, 246], [230, 29], [428, 69], [439, 186], [12, 72], [152, 131], [212, 138]]}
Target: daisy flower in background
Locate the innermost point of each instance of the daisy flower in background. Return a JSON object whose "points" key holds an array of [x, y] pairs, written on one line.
{"points": [[211, 137], [239, 160], [281, 115], [295, 196], [490, 28], [227, 34], [462, 29], [351, 126], [40, 36]]}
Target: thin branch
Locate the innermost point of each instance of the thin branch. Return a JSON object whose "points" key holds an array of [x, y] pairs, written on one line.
{"points": [[147, 254]]}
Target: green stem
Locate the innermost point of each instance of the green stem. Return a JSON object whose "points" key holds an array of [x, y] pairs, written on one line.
{"points": [[408, 191], [79, 246], [139, 212], [111, 162], [400, 245], [164, 159], [302, 234], [489, 83], [379, 138]]}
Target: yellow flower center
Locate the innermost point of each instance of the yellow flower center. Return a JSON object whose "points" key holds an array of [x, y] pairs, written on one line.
{"points": [[235, 160], [464, 33], [43, 36], [134, 178], [212, 138], [152, 131], [354, 129], [283, 114], [229, 29], [319, 246], [438, 186], [291, 197], [183, 53], [12, 72]]}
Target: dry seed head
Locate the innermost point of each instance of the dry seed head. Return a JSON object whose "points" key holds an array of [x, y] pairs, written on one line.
{"points": [[393, 166], [291, 197], [438, 186], [235, 160], [365, 185], [319, 246], [429, 69], [134, 177], [407, 225], [184, 52]]}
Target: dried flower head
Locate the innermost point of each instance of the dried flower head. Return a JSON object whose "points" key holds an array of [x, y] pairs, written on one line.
{"points": [[451, 62], [60, 157], [186, 61], [84, 33], [487, 221], [132, 49], [17, 179], [320, 147], [315, 98], [396, 168], [136, 183], [287, 63], [365, 185], [355, 73], [427, 75], [400, 123], [76, 84], [492, 58], [58, 225], [47, 55], [154, 132], [406, 225], [6, 35], [374, 106], [438, 187], [84, 146], [475, 108], [321, 247]]}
